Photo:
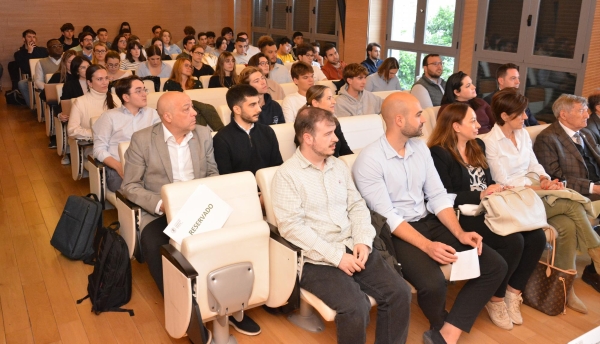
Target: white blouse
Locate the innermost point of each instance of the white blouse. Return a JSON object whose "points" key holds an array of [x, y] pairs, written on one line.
{"points": [[509, 165]]}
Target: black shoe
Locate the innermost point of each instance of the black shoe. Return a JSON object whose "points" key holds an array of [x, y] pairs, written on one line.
{"points": [[247, 326], [591, 277], [52, 143], [433, 337]]}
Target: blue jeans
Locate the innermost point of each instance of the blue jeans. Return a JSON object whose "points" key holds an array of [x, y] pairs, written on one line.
{"points": [[347, 295], [24, 89]]}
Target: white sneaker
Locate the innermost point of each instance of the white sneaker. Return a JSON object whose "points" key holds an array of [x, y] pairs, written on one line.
{"points": [[499, 314], [65, 160], [513, 304]]}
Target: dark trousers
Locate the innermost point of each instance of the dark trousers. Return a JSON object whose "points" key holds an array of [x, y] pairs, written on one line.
{"points": [[152, 239], [521, 251], [425, 275], [347, 296]]}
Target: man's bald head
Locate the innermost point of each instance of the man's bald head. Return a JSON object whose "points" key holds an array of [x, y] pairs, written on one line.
{"points": [[398, 103], [170, 101]]}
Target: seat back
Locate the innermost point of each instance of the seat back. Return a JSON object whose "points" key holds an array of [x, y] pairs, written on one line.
{"points": [[239, 68], [170, 63], [61, 130], [162, 84], [205, 79], [174, 56], [349, 160], [328, 83], [430, 120], [59, 88], [285, 137], [212, 96], [149, 85], [224, 113], [47, 78], [152, 99], [51, 93], [32, 64], [384, 94], [122, 149], [360, 131], [264, 178], [535, 130], [289, 88]]}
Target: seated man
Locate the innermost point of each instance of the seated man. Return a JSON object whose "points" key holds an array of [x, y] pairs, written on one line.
{"points": [[334, 67], [187, 31], [306, 53], [66, 39], [508, 76], [284, 49], [277, 72], [117, 125], [244, 144], [47, 65], [395, 175], [156, 30], [353, 99], [172, 150], [303, 76], [319, 210], [86, 45], [250, 49], [103, 37], [373, 61], [270, 110], [188, 46], [28, 51], [593, 122], [429, 89], [240, 54], [298, 39]]}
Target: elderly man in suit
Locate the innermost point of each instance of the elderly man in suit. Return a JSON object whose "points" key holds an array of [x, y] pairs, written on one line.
{"points": [[594, 106], [568, 151], [174, 150]]}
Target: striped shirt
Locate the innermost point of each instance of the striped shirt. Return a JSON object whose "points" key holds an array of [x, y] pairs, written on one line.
{"points": [[126, 65], [320, 211]]}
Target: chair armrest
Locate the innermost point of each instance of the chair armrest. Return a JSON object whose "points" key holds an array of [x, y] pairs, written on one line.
{"points": [[95, 162], [178, 260], [275, 236], [84, 143], [127, 202]]}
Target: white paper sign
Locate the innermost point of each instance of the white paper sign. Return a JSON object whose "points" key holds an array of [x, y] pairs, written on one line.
{"points": [[592, 337], [466, 266], [203, 211]]}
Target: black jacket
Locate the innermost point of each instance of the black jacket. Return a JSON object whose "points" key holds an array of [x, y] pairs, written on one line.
{"points": [[22, 57], [236, 151], [72, 89], [341, 147], [455, 177], [66, 46], [271, 112]]}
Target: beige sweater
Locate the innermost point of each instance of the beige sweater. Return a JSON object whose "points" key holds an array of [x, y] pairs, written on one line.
{"points": [[91, 104]]}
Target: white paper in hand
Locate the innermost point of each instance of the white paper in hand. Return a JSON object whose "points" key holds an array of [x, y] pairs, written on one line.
{"points": [[466, 266], [204, 211]]}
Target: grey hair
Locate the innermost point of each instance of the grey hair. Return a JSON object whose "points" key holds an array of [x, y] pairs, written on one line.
{"points": [[565, 102]]}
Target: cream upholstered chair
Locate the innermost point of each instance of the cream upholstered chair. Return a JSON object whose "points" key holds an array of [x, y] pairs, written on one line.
{"points": [[170, 62], [152, 99], [249, 264], [285, 138], [51, 107], [162, 84], [61, 128], [328, 83], [430, 121], [289, 88], [31, 85], [239, 67], [205, 79], [149, 85], [97, 174], [224, 113], [360, 131], [535, 130], [385, 94], [305, 318], [212, 96]]}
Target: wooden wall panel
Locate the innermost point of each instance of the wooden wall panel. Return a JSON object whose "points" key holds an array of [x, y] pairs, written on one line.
{"points": [[357, 22], [46, 17], [591, 81], [378, 23], [467, 40]]}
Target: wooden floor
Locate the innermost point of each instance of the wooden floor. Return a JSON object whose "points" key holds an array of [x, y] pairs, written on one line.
{"points": [[39, 287]]}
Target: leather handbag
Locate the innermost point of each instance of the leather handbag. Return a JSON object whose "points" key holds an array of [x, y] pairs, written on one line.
{"points": [[548, 286], [514, 210]]}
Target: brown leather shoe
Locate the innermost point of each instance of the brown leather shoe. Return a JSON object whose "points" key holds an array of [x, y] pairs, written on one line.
{"points": [[575, 303], [591, 277]]}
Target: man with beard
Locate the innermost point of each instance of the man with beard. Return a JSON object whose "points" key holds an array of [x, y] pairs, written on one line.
{"points": [[277, 72], [334, 68], [395, 175], [429, 89], [245, 145], [319, 210], [86, 45], [28, 51]]}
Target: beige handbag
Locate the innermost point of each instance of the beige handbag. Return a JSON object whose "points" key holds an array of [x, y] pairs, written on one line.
{"points": [[514, 210]]}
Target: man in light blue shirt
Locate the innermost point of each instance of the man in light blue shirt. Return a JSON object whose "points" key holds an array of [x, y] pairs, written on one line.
{"points": [[396, 176], [117, 125]]}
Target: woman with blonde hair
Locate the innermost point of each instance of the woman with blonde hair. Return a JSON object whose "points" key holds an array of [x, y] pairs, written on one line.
{"points": [[168, 46], [64, 68], [459, 157], [385, 79], [181, 77], [99, 53], [225, 75]]}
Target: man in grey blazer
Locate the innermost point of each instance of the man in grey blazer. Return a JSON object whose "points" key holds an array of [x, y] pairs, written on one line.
{"points": [[568, 151], [174, 150]]}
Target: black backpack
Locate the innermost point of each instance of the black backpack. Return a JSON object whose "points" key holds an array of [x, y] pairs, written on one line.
{"points": [[74, 233], [109, 285], [14, 97]]}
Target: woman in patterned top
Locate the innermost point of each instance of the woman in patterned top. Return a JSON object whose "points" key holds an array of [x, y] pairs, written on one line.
{"points": [[459, 157], [134, 56]]}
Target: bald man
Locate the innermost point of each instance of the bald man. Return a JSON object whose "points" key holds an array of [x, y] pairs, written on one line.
{"points": [[173, 150], [395, 175]]}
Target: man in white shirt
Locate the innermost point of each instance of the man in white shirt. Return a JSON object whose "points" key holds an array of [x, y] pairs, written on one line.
{"points": [[319, 210], [173, 150], [429, 89], [306, 53], [303, 76], [241, 45], [117, 125], [250, 50]]}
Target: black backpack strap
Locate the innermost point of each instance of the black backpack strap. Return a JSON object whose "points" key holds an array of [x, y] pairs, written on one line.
{"points": [[122, 310], [85, 297]]}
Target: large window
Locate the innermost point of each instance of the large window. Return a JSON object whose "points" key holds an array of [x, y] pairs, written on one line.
{"points": [[420, 27], [547, 39], [316, 19]]}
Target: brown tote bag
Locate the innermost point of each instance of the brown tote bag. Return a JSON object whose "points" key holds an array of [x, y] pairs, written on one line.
{"points": [[548, 286]]}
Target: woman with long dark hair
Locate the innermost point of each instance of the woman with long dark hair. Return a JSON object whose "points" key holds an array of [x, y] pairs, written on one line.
{"points": [[385, 79], [225, 75]]}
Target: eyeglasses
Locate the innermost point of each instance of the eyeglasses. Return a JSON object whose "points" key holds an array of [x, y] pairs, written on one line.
{"points": [[437, 64], [263, 63], [198, 53], [87, 39], [113, 65], [56, 46], [140, 91], [101, 51]]}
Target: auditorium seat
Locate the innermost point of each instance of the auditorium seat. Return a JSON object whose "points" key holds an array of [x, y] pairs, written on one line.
{"points": [[360, 131], [212, 96], [61, 128], [152, 99], [79, 150], [31, 85], [224, 113], [430, 120], [170, 62], [289, 88], [385, 94], [205, 79], [239, 68], [249, 264], [97, 174], [52, 101], [285, 138], [535, 130], [328, 83], [149, 85]]}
